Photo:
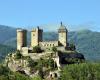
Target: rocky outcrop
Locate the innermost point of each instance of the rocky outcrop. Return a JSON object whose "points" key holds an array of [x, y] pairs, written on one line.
{"points": [[71, 58]]}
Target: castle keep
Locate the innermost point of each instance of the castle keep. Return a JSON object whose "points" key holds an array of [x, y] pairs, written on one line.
{"points": [[37, 39], [21, 38]]}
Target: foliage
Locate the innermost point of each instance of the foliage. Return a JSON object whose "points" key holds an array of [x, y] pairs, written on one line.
{"points": [[18, 55], [4, 50], [37, 49], [18, 76], [85, 71], [72, 47], [47, 63], [6, 74], [3, 70], [74, 60], [52, 64], [31, 63], [54, 49], [36, 78]]}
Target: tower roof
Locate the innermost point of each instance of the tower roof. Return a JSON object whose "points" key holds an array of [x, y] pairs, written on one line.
{"points": [[62, 27]]}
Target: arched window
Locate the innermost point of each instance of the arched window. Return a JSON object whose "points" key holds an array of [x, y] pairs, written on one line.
{"points": [[47, 44], [50, 44]]}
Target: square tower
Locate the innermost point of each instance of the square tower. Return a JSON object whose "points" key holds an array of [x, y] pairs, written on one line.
{"points": [[36, 36]]}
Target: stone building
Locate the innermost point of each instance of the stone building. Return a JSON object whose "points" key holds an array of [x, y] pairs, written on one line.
{"points": [[21, 38], [37, 38]]}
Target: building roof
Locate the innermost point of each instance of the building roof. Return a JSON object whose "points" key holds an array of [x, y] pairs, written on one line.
{"points": [[62, 27]]}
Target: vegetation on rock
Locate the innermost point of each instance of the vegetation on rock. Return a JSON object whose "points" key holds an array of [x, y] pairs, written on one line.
{"points": [[84, 71], [37, 49], [54, 49], [18, 55]]}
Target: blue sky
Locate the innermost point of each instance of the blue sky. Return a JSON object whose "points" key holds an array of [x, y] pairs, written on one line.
{"points": [[76, 14]]}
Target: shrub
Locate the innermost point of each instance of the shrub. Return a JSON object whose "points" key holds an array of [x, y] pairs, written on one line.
{"points": [[36, 78], [37, 49], [85, 71], [72, 46], [54, 49], [18, 55], [31, 63]]}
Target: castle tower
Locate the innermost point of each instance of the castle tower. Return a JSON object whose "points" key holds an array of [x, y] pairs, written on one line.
{"points": [[21, 38], [62, 31], [36, 36]]}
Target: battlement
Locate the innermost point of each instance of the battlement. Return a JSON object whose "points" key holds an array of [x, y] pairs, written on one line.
{"points": [[21, 30], [36, 29]]}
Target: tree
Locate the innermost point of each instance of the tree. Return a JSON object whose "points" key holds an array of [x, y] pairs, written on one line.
{"points": [[36, 78], [72, 46], [18, 55], [37, 49], [54, 49], [31, 63]]}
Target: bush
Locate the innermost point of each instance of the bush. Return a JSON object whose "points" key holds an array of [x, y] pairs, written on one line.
{"points": [[6, 74], [18, 55], [85, 71], [31, 63], [37, 49], [72, 47], [54, 49], [36, 78]]}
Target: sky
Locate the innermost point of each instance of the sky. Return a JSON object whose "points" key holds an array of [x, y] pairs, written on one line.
{"points": [[75, 14]]}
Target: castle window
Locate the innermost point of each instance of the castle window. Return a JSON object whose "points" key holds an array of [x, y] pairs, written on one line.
{"points": [[50, 44], [47, 44]]}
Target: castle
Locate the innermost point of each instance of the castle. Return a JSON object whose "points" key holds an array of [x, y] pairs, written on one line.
{"points": [[21, 63], [37, 39]]}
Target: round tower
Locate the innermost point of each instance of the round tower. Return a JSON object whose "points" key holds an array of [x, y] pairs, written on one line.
{"points": [[62, 31], [21, 38]]}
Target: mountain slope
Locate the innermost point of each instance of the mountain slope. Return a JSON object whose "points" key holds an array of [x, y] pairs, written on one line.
{"points": [[87, 42], [4, 50], [6, 33]]}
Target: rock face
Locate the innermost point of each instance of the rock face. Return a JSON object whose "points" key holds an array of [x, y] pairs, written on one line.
{"points": [[43, 63], [71, 58]]}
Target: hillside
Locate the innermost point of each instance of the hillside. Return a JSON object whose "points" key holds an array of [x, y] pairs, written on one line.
{"points": [[4, 50], [6, 33], [86, 41]]}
